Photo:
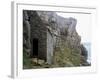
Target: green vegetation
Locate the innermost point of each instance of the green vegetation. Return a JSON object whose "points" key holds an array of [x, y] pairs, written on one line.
{"points": [[29, 63], [64, 57], [67, 57], [26, 60]]}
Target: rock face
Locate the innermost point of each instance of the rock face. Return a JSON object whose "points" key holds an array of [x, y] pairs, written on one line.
{"points": [[26, 32], [56, 36], [38, 32]]}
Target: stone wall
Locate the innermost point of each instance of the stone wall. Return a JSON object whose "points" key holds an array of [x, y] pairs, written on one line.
{"points": [[38, 31], [53, 32], [49, 47]]}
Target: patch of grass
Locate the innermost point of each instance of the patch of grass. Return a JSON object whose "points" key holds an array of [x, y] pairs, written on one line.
{"points": [[26, 60], [32, 63], [67, 57]]}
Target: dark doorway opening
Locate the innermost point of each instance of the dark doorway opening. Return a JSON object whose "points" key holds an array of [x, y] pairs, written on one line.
{"points": [[35, 47]]}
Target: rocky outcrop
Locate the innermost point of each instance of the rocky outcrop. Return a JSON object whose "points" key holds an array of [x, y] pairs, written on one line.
{"points": [[26, 33], [67, 35], [64, 27], [66, 39]]}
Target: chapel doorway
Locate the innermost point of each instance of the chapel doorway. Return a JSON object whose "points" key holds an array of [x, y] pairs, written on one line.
{"points": [[35, 47]]}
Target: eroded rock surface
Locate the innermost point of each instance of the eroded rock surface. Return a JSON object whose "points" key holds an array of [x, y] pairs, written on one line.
{"points": [[67, 47]]}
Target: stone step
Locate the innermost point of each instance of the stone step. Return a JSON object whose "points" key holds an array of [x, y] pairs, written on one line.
{"points": [[38, 61]]}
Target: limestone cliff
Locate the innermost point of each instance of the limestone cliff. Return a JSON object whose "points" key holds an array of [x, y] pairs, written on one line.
{"points": [[68, 50]]}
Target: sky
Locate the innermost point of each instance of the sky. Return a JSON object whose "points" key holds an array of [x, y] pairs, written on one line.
{"points": [[83, 26]]}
